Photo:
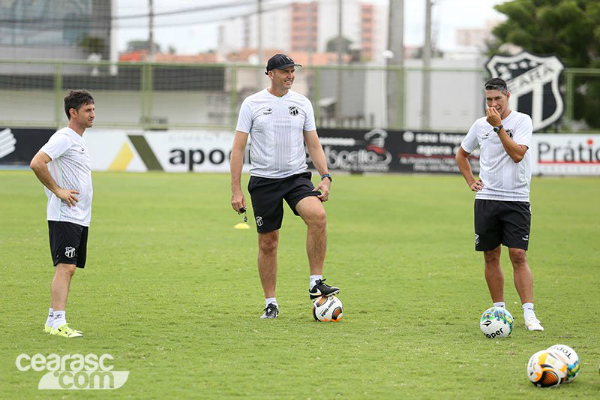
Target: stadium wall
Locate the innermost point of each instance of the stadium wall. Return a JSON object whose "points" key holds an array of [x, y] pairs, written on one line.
{"points": [[347, 150]]}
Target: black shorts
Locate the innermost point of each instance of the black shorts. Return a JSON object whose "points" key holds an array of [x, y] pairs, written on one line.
{"points": [[68, 243], [502, 222], [268, 194]]}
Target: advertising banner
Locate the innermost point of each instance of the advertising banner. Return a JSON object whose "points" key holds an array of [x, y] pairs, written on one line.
{"points": [[181, 151], [566, 154], [346, 150], [431, 152], [170, 151], [18, 146], [113, 151], [378, 150]]}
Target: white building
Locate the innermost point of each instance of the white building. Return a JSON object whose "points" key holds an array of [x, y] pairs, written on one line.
{"points": [[239, 33], [300, 24]]}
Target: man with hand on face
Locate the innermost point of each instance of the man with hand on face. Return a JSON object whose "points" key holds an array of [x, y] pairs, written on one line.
{"points": [[280, 122], [502, 209]]}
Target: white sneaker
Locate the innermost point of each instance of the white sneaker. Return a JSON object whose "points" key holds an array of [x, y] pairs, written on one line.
{"points": [[533, 324]]}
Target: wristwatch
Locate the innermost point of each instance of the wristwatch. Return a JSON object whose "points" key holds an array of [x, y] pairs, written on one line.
{"points": [[498, 128], [326, 176]]}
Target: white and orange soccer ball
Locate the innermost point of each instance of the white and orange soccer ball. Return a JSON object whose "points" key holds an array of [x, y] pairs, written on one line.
{"points": [[569, 357], [327, 309], [546, 369]]}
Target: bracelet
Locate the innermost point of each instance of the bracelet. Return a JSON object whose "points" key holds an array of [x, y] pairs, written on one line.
{"points": [[326, 176]]}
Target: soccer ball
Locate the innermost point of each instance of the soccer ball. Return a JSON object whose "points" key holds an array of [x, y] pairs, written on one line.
{"points": [[496, 322], [327, 309], [569, 357], [546, 369]]}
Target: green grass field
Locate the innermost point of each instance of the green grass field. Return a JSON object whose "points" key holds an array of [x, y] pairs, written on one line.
{"points": [[172, 292]]}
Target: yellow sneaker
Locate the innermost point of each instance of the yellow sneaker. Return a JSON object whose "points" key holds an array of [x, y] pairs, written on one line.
{"points": [[48, 329], [67, 332]]}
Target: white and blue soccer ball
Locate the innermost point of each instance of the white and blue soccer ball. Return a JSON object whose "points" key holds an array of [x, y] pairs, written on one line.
{"points": [[496, 322], [569, 357]]}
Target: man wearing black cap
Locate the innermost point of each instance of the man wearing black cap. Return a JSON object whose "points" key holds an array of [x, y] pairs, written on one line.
{"points": [[280, 122]]}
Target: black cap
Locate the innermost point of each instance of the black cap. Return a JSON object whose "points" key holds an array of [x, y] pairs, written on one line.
{"points": [[280, 61]]}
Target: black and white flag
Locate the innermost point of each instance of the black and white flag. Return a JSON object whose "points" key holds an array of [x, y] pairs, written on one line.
{"points": [[533, 84]]}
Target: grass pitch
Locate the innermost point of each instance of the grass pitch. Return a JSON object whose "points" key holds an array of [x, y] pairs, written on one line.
{"points": [[171, 291]]}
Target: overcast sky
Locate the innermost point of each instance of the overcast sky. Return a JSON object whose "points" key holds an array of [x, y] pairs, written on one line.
{"points": [[194, 32]]}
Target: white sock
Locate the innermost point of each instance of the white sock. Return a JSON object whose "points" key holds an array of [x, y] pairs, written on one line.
{"points": [[60, 318], [50, 319], [500, 304], [270, 300], [528, 311], [314, 279]]}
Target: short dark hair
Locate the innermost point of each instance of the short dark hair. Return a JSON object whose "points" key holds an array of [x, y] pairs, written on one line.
{"points": [[77, 98], [497, 84]]}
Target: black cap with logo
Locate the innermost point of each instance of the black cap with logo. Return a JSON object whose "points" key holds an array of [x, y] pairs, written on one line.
{"points": [[280, 61]]}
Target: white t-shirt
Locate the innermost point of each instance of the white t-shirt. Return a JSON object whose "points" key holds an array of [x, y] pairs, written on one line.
{"points": [[71, 168], [502, 178], [276, 126]]}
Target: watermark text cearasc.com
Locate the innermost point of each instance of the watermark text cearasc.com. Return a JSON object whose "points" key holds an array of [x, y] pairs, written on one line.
{"points": [[73, 371]]}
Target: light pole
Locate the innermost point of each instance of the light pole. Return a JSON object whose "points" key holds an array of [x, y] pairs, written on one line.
{"points": [[395, 56], [425, 105]]}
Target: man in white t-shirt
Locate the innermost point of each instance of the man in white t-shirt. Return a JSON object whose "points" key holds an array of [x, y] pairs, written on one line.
{"points": [[64, 168], [280, 121], [502, 209]]}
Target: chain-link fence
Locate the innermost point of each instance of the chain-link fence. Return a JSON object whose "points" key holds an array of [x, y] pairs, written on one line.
{"points": [[193, 96]]}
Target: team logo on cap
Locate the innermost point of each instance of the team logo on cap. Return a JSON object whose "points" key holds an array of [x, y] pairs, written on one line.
{"points": [[293, 110]]}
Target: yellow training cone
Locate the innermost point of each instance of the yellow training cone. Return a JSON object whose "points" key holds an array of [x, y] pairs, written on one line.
{"points": [[242, 225]]}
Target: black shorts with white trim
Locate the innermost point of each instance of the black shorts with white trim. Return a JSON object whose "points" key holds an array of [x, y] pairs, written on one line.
{"points": [[268, 194], [68, 243], [502, 222]]}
